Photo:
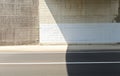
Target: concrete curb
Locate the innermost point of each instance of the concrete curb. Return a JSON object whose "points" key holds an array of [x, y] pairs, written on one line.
{"points": [[55, 48]]}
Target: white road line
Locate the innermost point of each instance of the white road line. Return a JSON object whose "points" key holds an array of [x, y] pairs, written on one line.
{"points": [[52, 63], [52, 52]]}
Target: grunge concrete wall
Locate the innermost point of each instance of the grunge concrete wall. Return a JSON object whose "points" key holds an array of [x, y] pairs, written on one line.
{"points": [[78, 11], [18, 22], [19, 18]]}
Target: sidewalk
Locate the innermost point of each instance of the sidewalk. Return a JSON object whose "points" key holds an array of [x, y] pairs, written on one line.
{"points": [[54, 48]]}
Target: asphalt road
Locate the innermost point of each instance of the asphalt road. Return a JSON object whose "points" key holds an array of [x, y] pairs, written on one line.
{"points": [[81, 63], [94, 63]]}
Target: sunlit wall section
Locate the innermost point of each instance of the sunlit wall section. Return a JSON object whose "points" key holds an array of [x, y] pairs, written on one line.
{"points": [[50, 33]]}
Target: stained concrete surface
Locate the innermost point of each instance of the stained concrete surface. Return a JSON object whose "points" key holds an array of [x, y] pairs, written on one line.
{"points": [[18, 22]]}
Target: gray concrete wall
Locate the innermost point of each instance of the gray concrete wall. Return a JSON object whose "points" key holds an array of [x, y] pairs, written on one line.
{"points": [[19, 18], [78, 11], [18, 21]]}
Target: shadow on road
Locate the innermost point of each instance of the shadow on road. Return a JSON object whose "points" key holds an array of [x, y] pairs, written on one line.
{"points": [[93, 63], [84, 68]]}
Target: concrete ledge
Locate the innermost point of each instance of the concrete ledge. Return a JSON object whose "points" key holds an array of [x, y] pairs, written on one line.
{"points": [[55, 48]]}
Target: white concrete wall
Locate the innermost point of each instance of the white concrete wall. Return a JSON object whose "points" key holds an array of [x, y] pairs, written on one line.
{"points": [[78, 21], [80, 33]]}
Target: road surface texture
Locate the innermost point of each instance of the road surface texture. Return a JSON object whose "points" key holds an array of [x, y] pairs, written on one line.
{"points": [[94, 63], [78, 60], [84, 62]]}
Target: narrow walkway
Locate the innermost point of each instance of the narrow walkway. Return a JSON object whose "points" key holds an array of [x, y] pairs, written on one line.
{"points": [[55, 48]]}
